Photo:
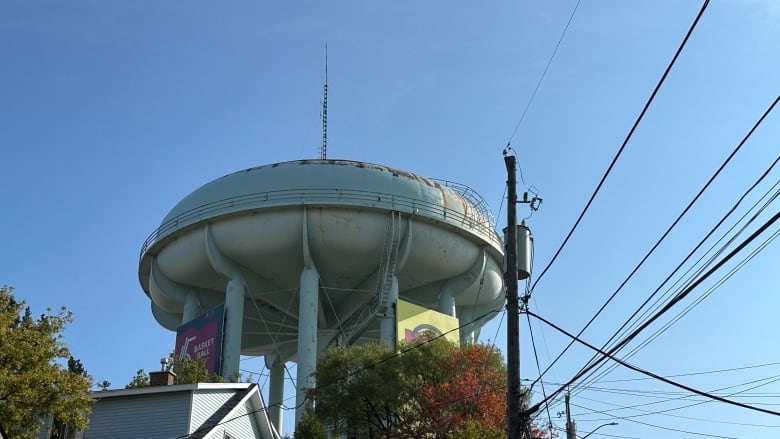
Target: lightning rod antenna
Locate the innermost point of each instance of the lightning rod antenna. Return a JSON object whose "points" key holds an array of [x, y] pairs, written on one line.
{"points": [[324, 148]]}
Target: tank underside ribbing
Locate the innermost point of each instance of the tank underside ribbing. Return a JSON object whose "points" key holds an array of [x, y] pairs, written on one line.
{"points": [[347, 245]]}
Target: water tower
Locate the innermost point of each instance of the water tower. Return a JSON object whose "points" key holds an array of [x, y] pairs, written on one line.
{"points": [[313, 253]]}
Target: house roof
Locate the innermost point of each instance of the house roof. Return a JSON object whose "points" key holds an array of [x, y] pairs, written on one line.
{"points": [[222, 415], [100, 394], [246, 395]]}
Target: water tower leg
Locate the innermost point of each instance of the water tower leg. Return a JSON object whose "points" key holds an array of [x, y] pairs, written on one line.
{"points": [[276, 394], [387, 323], [446, 303], [307, 337], [466, 329], [234, 319], [191, 309]]}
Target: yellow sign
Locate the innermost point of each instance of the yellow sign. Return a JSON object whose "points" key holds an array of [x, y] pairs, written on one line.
{"points": [[414, 321]]}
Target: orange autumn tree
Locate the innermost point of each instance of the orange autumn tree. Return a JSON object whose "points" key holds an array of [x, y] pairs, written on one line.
{"points": [[471, 393], [431, 390]]}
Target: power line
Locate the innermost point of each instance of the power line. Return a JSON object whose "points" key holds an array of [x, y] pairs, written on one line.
{"points": [[665, 412], [645, 372], [663, 237], [668, 306], [762, 382], [657, 426], [706, 293], [544, 73], [708, 372], [709, 291], [687, 396], [690, 254], [663, 395], [604, 434], [625, 142], [682, 295], [538, 368]]}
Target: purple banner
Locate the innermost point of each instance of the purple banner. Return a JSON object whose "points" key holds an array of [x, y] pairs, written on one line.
{"points": [[201, 339]]}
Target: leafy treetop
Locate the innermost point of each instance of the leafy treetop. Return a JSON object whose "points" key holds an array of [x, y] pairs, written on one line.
{"points": [[187, 371], [34, 383], [434, 389]]}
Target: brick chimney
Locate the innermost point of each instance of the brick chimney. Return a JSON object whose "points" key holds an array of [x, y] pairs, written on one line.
{"points": [[162, 377]]}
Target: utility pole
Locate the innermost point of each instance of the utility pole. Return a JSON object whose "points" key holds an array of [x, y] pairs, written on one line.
{"points": [[513, 408], [519, 243], [571, 426]]}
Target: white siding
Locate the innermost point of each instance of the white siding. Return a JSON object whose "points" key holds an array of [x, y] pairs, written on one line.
{"points": [[153, 416], [46, 426], [205, 403], [242, 425], [43, 433]]}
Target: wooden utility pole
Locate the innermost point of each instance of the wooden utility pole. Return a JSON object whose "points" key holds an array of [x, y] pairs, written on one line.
{"points": [[513, 407], [571, 426]]}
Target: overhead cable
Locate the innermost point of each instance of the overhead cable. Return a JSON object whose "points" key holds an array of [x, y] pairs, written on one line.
{"points": [[668, 306], [687, 258], [625, 142], [696, 433], [665, 234], [665, 412], [706, 294], [645, 372], [538, 368], [687, 396], [541, 78], [708, 372]]}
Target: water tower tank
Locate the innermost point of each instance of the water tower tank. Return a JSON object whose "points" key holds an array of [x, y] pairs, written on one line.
{"points": [[312, 253]]}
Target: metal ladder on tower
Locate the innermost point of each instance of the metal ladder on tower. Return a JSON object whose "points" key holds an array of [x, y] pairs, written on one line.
{"points": [[389, 261], [381, 301]]}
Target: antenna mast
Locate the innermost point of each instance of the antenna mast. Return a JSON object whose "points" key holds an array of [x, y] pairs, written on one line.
{"points": [[324, 148]]}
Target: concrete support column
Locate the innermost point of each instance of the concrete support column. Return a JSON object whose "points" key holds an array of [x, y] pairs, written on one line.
{"points": [[466, 330], [387, 323], [467, 338], [276, 394], [234, 319], [307, 337], [446, 303], [467, 326], [191, 308]]}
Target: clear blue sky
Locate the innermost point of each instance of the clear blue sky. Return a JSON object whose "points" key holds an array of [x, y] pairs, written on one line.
{"points": [[112, 111]]}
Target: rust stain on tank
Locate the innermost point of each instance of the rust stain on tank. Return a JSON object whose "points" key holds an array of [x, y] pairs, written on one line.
{"points": [[356, 164]]}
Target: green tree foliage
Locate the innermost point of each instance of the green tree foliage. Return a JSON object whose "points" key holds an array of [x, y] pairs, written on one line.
{"points": [[60, 429], [436, 390], [141, 379], [186, 371], [75, 366], [472, 429], [34, 383], [192, 371], [361, 392], [310, 427]]}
